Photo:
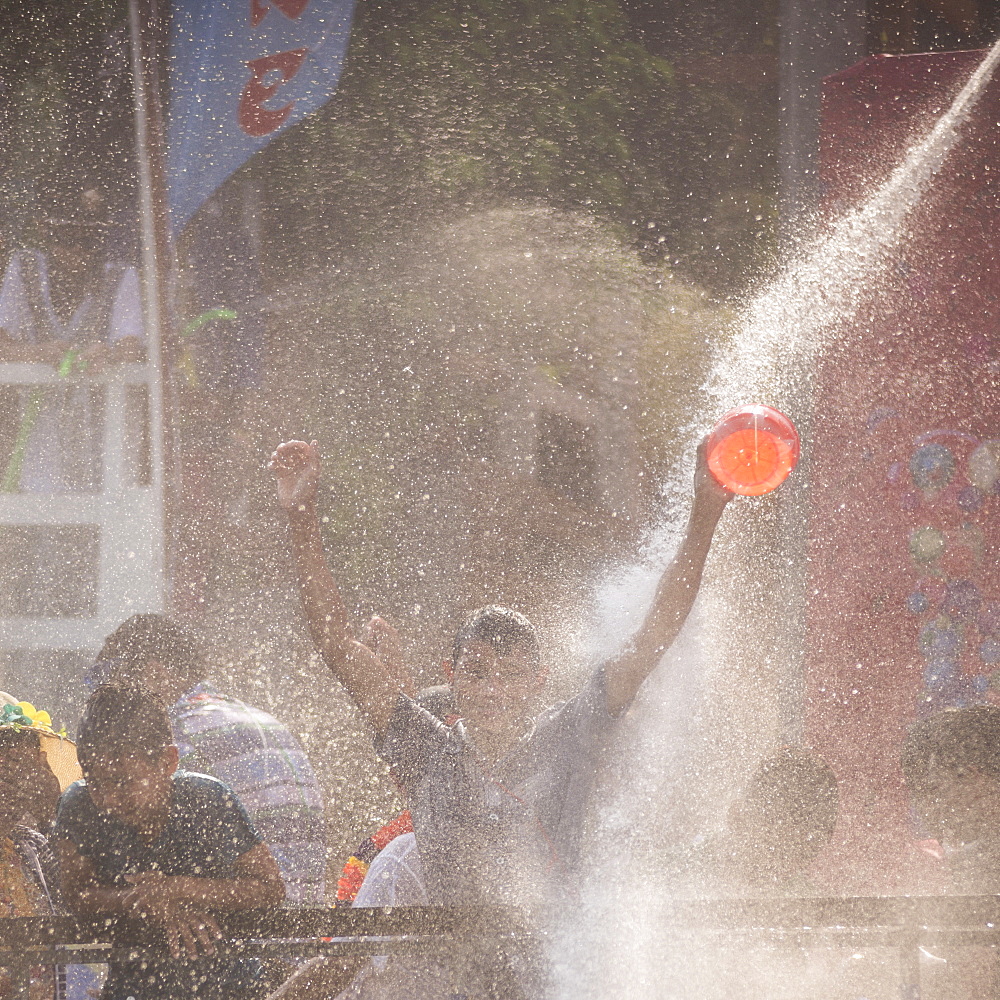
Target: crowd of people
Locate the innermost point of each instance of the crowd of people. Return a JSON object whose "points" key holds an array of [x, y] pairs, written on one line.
{"points": [[177, 802]]}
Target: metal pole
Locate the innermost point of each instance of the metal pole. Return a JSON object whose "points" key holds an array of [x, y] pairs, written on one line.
{"points": [[154, 228], [818, 37]]}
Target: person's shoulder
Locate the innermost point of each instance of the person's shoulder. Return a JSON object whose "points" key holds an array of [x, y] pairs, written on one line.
{"points": [[204, 806], [414, 737], [199, 698], [192, 787], [564, 705], [205, 698], [76, 809], [75, 798], [254, 717], [395, 877], [398, 848], [409, 716], [588, 703], [206, 800]]}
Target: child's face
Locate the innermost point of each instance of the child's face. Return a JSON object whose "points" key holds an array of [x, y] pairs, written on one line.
{"points": [[135, 790], [493, 691]]}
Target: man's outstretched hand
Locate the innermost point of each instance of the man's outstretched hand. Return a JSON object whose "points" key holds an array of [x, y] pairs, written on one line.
{"points": [[295, 465]]}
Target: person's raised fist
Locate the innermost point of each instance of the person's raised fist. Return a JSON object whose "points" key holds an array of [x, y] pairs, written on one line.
{"points": [[295, 465]]}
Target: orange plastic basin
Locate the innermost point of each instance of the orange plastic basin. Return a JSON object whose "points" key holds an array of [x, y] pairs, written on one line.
{"points": [[752, 449]]}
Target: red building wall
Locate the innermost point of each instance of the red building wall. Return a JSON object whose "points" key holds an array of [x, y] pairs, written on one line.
{"points": [[904, 609]]}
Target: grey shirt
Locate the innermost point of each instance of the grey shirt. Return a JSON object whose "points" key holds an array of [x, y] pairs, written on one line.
{"points": [[508, 831]]}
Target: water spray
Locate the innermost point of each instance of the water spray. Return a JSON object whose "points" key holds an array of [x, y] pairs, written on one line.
{"points": [[799, 312]]}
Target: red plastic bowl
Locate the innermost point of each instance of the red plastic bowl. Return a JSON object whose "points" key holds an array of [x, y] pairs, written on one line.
{"points": [[752, 449]]}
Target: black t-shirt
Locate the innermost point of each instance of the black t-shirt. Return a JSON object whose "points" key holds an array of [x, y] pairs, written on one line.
{"points": [[207, 830]]}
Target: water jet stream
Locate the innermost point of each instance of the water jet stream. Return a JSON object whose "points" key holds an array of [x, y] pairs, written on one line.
{"points": [[795, 314]]}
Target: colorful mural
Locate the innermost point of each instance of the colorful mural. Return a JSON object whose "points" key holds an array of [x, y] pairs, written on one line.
{"points": [[948, 489]]}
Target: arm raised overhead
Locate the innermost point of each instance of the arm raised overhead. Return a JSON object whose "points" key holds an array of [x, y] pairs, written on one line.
{"points": [[675, 593], [370, 684]]}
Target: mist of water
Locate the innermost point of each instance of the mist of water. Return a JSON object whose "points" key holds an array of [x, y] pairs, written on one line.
{"points": [[648, 808], [792, 319]]}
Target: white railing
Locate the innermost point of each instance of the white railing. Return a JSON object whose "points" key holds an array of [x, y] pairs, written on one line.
{"points": [[128, 514]]}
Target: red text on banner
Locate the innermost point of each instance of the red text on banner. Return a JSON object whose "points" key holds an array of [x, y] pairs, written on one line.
{"points": [[253, 118], [292, 9]]}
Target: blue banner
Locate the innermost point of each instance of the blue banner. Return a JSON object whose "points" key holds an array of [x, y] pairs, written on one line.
{"points": [[240, 72]]}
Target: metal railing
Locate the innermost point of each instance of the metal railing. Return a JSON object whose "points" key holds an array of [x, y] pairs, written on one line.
{"points": [[907, 923], [31, 941]]}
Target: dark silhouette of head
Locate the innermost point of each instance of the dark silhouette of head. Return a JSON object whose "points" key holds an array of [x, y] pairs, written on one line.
{"points": [[127, 754], [121, 722], [784, 818], [155, 652], [951, 763]]}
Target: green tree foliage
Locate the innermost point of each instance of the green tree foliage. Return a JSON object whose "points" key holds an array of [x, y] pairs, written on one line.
{"points": [[445, 105], [64, 120], [454, 103]]}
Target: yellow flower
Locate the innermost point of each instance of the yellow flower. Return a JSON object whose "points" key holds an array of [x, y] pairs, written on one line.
{"points": [[39, 719]]}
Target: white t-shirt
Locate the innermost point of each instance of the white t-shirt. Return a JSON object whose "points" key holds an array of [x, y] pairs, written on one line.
{"points": [[395, 877]]}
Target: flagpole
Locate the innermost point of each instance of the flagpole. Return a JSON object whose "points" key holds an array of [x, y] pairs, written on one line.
{"points": [[146, 34]]}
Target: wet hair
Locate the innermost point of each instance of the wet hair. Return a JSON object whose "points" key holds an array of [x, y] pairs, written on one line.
{"points": [[11, 737], [120, 722], [502, 628], [142, 638], [955, 740], [798, 788]]}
